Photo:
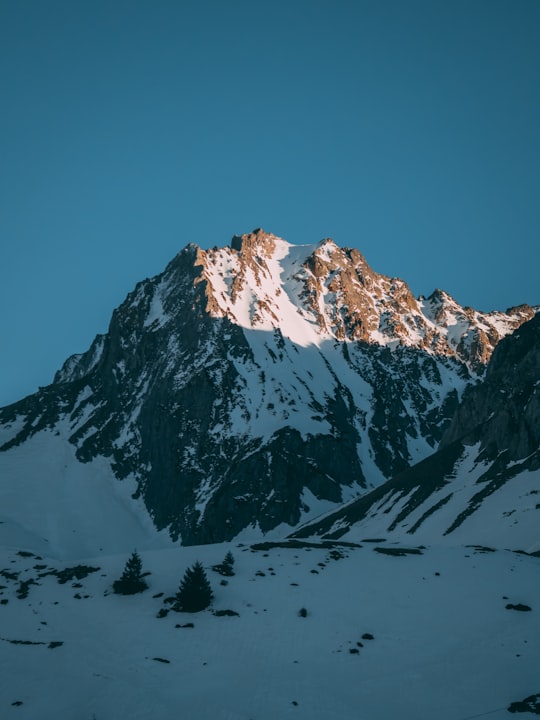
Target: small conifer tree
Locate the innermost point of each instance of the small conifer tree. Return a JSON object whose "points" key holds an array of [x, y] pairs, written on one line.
{"points": [[132, 580], [225, 567], [227, 564], [195, 593]]}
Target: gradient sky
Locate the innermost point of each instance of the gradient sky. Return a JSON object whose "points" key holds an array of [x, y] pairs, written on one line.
{"points": [[406, 128]]}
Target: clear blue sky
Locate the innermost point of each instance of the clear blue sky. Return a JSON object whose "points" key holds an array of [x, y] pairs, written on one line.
{"points": [[406, 128]]}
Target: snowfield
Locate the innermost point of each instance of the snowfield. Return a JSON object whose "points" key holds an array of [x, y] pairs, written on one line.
{"points": [[444, 645]]}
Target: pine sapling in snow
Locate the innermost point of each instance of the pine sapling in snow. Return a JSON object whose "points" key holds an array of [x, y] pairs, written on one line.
{"points": [[132, 580], [225, 567], [195, 593]]}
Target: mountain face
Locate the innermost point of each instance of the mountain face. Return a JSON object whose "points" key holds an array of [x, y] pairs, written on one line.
{"points": [[262, 383], [483, 483]]}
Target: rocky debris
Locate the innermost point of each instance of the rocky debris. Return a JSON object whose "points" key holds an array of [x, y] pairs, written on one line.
{"points": [[530, 705]]}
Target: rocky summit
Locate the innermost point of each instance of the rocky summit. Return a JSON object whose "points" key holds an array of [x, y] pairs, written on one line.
{"points": [[255, 386]]}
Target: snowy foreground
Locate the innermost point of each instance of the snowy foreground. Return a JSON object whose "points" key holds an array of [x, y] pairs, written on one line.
{"points": [[444, 644]]}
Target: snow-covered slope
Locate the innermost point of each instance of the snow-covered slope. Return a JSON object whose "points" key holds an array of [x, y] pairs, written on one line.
{"points": [[483, 484], [423, 635], [66, 509], [261, 384]]}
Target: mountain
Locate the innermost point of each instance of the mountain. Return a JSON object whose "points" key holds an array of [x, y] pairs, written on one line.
{"points": [[249, 387], [483, 483]]}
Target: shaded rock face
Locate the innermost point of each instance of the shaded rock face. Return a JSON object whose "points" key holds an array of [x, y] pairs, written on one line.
{"points": [[245, 384], [503, 412]]}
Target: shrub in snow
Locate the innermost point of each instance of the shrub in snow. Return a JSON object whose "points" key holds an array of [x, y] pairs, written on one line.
{"points": [[132, 580], [520, 606], [531, 705], [225, 567], [195, 593]]}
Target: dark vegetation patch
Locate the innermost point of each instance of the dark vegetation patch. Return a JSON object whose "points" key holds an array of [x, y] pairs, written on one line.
{"points": [[8, 575], [226, 613], [481, 548], [22, 642], [530, 704], [535, 554], [399, 551], [336, 555], [299, 545], [519, 606], [23, 589], [53, 644], [78, 572], [185, 625], [25, 553], [374, 540]]}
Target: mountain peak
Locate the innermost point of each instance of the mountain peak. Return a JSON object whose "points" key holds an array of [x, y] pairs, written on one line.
{"points": [[256, 242]]}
